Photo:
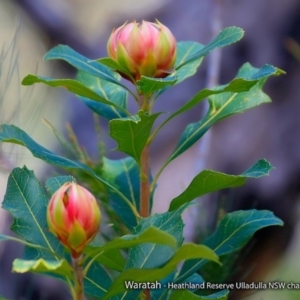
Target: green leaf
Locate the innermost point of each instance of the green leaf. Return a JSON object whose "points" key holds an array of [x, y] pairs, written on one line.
{"points": [[246, 78], [26, 201], [185, 69], [167, 282], [13, 134], [82, 63], [73, 86], [184, 50], [209, 181], [149, 235], [132, 133], [60, 267], [226, 37], [233, 232], [149, 85], [97, 281], [111, 258], [112, 64], [106, 90], [152, 255], [221, 274], [184, 294], [220, 107], [123, 175], [54, 183], [7, 238], [185, 252]]}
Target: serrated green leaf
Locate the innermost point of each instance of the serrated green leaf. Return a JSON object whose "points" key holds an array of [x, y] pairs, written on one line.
{"points": [[81, 62], [226, 37], [233, 232], [25, 199], [123, 175], [185, 252], [106, 90], [54, 183], [184, 294], [132, 133], [73, 86], [149, 85], [220, 107], [60, 267], [13, 134], [97, 281], [209, 181]]}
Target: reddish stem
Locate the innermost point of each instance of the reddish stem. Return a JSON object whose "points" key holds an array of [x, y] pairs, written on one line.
{"points": [[145, 187], [78, 278]]}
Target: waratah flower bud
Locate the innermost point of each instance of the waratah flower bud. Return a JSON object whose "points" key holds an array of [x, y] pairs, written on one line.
{"points": [[73, 215], [145, 48]]}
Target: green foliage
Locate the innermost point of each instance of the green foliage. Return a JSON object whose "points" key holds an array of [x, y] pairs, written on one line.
{"points": [[233, 232], [27, 202], [185, 68], [60, 267], [236, 97], [209, 181], [54, 183], [73, 86], [82, 63], [123, 175], [185, 252], [150, 235], [226, 37], [148, 85], [153, 246], [107, 90], [13, 134], [97, 281], [132, 133]]}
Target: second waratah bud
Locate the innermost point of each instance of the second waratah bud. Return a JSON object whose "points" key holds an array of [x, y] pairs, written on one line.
{"points": [[73, 215]]}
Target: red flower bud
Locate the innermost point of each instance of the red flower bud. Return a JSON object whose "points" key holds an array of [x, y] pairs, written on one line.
{"points": [[73, 215], [143, 49]]}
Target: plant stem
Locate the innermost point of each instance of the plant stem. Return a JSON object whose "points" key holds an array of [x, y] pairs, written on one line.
{"points": [[147, 294], [79, 293], [145, 187], [144, 170], [144, 176]]}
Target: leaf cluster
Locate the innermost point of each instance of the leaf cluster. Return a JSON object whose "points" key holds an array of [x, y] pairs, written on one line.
{"points": [[149, 249]]}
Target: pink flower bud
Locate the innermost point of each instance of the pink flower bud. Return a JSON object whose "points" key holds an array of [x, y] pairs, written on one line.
{"points": [[147, 49], [73, 215]]}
